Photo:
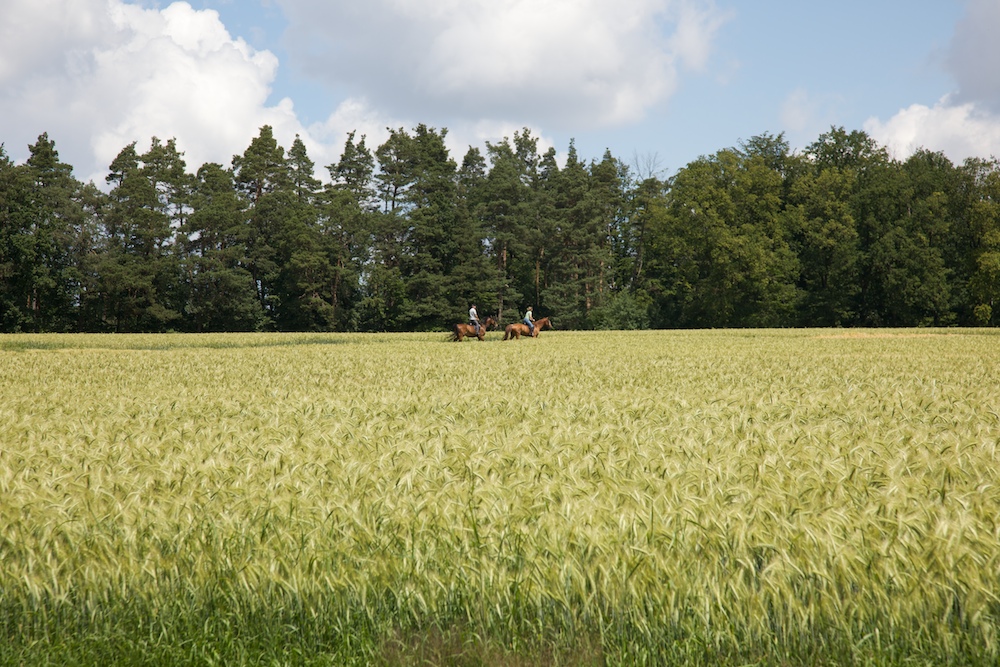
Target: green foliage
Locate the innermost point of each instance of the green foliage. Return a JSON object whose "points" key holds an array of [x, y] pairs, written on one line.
{"points": [[140, 285], [403, 238], [46, 241], [624, 311], [223, 296], [824, 236], [724, 245]]}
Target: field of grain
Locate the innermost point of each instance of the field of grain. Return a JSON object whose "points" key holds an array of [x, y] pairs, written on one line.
{"points": [[700, 498]]}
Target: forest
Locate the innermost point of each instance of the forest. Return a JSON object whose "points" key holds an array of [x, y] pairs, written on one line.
{"points": [[404, 237]]}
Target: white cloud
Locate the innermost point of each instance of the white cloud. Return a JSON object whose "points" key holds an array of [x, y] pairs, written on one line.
{"points": [[97, 75], [325, 140], [36, 37], [578, 62], [696, 25], [965, 123], [958, 130], [100, 74]]}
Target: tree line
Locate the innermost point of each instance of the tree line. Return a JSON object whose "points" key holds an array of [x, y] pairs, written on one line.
{"points": [[404, 238]]}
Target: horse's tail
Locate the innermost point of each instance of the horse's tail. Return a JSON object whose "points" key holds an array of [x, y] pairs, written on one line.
{"points": [[455, 335], [506, 332]]}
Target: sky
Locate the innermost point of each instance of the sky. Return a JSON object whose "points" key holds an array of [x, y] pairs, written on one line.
{"points": [[658, 83]]}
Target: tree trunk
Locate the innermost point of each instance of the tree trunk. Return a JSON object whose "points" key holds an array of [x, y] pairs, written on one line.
{"points": [[334, 297]]}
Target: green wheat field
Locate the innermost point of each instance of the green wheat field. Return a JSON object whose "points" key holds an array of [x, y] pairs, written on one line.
{"points": [[820, 497]]}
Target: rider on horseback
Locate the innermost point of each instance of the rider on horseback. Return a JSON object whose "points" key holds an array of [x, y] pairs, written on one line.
{"points": [[474, 318], [529, 320]]}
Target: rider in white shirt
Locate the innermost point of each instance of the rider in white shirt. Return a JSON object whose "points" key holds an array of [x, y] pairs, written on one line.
{"points": [[474, 318]]}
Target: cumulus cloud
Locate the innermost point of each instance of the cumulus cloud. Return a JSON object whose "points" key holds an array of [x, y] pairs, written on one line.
{"points": [[356, 115], [584, 63], [97, 75], [958, 130], [100, 74], [965, 123]]}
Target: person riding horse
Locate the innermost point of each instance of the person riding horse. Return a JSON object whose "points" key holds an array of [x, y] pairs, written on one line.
{"points": [[529, 320], [460, 330], [518, 329], [474, 318]]}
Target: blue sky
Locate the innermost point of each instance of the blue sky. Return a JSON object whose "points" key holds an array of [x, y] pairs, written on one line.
{"points": [[653, 81]]}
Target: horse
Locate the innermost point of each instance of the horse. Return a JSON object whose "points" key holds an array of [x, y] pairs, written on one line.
{"points": [[519, 329], [460, 330]]}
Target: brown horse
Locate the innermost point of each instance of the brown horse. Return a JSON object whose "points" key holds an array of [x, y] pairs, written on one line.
{"points": [[518, 329], [460, 331]]}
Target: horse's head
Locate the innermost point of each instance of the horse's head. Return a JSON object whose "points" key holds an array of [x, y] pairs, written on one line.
{"points": [[490, 322]]}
